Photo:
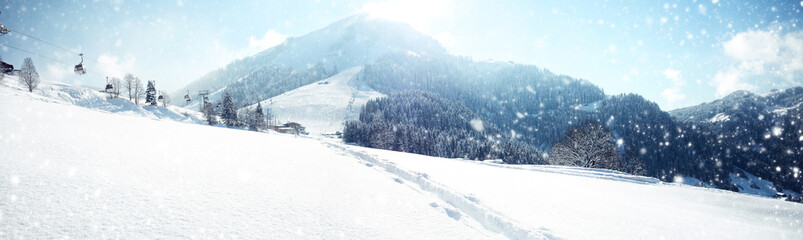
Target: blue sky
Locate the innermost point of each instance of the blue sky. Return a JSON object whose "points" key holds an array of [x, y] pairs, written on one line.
{"points": [[676, 53]]}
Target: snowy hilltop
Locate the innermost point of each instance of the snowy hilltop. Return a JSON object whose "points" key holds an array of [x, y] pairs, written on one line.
{"points": [[347, 43]]}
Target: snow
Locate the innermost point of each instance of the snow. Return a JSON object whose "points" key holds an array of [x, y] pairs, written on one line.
{"points": [[62, 93], [323, 106], [69, 172], [691, 181], [588, 107], [576, 203], [350, 42], [64, 174], [720, 117], [750, 184]]}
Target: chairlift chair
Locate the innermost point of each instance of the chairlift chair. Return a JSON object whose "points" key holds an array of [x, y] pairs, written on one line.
{"points": [[161, 98], [109, 86], [79, 69], [6, 67], [4, 30], [187, 97]]}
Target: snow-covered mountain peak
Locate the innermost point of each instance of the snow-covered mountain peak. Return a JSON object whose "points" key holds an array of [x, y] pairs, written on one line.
{"points": [[349, 42]]}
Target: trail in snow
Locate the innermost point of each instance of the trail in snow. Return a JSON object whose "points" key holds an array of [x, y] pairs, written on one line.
{"points": [[576, 203], [490, 219]]}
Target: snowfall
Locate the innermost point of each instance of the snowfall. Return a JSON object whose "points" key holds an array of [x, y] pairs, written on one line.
{"points": [[74, 164]]}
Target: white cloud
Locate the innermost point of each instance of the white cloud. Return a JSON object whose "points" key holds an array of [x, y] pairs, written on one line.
{"points": [[270, 39], [675, 93], [753, 46], [673, 75], [113, 66], [446, 39], [418, 13], [56, 72], [730, 81], [763, 59]]}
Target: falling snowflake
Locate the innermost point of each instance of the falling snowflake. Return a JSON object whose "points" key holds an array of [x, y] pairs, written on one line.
{"points": [[777, 131], [477, 125]]}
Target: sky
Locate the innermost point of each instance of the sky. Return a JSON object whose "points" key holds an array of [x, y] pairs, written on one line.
{"points": [[675, 53]]}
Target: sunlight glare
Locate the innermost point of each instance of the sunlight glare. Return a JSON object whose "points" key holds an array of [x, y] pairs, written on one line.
{"points": [[418, 13]]}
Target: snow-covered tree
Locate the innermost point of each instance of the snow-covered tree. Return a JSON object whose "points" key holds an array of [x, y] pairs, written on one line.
{"points": [[28, 75], [587, 145], [130, 85], [165, 98], [117, 83], [228, 111], [150, 94], [257, 121], [209, 113], [138, 89]]}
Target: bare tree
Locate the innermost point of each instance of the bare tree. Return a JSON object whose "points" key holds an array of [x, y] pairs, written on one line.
{"points": [[270, 119], [2, 72], [165, 98], [117, 83], [128, 83], [139, 90], [28, 75], [587, 145]]}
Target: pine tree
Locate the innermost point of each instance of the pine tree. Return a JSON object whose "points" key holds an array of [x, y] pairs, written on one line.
{"points": [[28, 75], [150, 94], [228, 111], [258, 120], [209, 112]]}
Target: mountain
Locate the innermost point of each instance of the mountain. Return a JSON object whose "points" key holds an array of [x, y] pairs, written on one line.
{"points": [[63, 173], [526, 103], [759, 134], [325, 105], [350, 42]]}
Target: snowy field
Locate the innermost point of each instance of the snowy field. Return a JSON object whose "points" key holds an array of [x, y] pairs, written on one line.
{"points": [[73, 172]]}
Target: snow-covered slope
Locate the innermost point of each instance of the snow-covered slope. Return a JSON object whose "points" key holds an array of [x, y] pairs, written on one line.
{"points": [[324, 106], [62, 93], [61, 177], [576, 203], [350, 42]]}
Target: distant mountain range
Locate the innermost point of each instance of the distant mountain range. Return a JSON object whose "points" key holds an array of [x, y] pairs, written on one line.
{"points": [[719, 143]]}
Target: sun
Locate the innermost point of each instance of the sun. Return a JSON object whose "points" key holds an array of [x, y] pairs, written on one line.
{"points": [[418, 13]]}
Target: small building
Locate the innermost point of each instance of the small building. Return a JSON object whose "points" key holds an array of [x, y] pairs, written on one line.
{"points": [[290, 128]]}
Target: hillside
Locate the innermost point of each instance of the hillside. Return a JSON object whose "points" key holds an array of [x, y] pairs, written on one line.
{"points": [[350, 42], [323, 106], [527, 103], [62, 177]]}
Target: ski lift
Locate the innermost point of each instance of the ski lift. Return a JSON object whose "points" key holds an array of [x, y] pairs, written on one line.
{"points": [[161, 98], [109, 86], [79, 69], [6, 67], [187, 97], [4, 30]]}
